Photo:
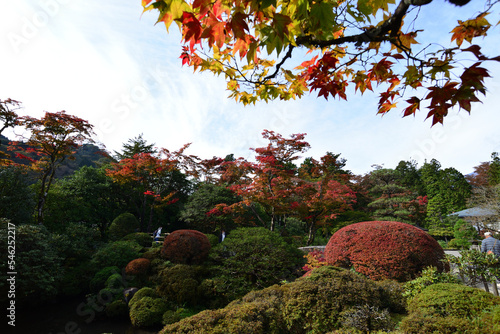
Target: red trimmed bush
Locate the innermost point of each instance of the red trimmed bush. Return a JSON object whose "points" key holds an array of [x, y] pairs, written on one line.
{"points": [[138, 267], [186, 247], [384, 250]]}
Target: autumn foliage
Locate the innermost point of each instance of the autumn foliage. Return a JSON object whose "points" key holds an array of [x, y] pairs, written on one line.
{"points": [[138, 267], [384, 250], [186, 247], [369, 45]]}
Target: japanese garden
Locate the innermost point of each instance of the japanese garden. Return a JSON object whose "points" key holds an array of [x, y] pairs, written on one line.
{"points": [[151, 238]]}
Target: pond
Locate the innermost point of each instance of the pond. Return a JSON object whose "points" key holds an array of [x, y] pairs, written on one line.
{"points": [[64, 317]]}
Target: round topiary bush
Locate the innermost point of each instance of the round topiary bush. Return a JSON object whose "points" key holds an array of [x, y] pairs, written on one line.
{"points": [[181, 284], [384, 250], [186, 247], [122, 225], [147, 312], [138, 267]]}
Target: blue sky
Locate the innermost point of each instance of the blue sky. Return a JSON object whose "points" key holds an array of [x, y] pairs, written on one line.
{"points": [[105, 62]]}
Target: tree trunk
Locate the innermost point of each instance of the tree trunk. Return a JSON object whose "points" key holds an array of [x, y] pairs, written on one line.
{"points": [[311, 234]]}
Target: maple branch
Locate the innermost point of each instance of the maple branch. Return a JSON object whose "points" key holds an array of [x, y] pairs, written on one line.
{"points": [[280, 64], [375, 34]]}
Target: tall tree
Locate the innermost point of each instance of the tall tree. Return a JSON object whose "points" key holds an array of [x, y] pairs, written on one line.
{"points": [[135, 146], [372, 45], [447, 191], [274, 172], [393, 200], [8, 119], [494, 170], [321, 192], [87, 196], [53, 139], [154, 181]]}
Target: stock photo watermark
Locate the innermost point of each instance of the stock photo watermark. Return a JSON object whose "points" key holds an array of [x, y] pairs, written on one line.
{"points": [[30, 25], [11, 274]]}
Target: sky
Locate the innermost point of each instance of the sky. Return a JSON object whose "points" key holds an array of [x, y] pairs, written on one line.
{"points": [[108, 63]]}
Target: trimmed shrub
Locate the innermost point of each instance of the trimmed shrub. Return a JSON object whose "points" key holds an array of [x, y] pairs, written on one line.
{"points": [[143, 239], [180, 284], [117, 253], [144, 292], [423, 322], [255, 258], [99, 280], [489, 322], [147, 312], [384, 250], [122, 225], [448, 308], [453, 299], [138, 267], [186, 247]]}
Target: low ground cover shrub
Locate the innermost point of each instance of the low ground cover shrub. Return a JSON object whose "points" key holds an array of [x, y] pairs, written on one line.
{"points": [[186, 247], [384, 250]]}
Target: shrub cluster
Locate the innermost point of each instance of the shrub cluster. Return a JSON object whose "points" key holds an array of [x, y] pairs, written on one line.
{"points": [[384, 250], [186, 247], [318, 303]]}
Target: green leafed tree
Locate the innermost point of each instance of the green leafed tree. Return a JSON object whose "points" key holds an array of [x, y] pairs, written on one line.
{"points": [[134, 146]]}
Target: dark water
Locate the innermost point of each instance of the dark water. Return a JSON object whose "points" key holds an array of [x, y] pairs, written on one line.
{"points": [[68, 317]]}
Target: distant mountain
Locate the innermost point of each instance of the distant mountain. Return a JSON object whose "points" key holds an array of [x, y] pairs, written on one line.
{"points": [[86, 155]]}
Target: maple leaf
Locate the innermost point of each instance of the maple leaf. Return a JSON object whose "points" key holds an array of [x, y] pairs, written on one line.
{"points": [[414, 106], [238, 25], [280, 24]]}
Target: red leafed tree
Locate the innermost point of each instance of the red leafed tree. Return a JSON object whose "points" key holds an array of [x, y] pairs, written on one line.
{"points": [[372, 45], [272, 182], [150, 177], [53, 139], [321, 193]]}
